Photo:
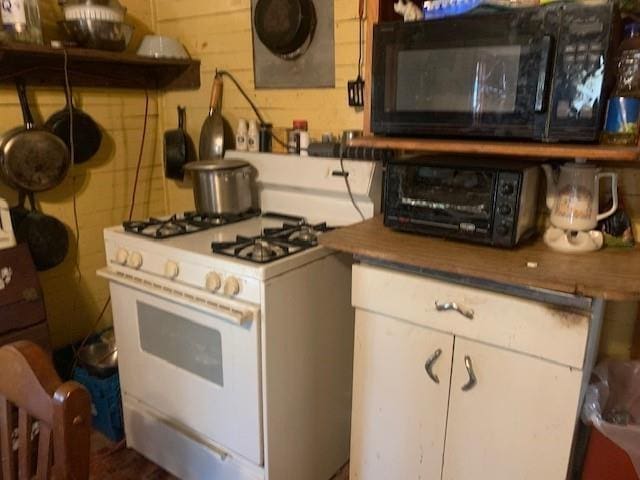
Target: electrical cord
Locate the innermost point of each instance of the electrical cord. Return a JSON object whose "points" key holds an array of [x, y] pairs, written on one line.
{"points": [[230, 76], [130, 216], [345, 175]]}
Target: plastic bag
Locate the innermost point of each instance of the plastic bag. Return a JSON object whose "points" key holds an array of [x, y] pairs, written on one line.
{"points": [[612, 405]]}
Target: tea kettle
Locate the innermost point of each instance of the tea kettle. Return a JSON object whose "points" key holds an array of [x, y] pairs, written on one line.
{"points": [[574, 197], [573, 200]]}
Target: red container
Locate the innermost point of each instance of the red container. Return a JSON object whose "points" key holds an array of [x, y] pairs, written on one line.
{"points": [[606, 461]]}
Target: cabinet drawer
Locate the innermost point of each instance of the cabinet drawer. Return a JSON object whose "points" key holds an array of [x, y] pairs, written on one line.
{"points": [[526, 326]]}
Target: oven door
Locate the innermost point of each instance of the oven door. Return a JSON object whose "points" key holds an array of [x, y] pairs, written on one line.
{"points": [[198, 366], [480, 75], [451, 201]]}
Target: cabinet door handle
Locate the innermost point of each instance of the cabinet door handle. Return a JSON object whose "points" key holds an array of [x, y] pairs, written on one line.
{"points": [[472, 376], [442, 307], [428, 366]]}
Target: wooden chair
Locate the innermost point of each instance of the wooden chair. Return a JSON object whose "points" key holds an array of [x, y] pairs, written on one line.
{"points": [[53, 419]]}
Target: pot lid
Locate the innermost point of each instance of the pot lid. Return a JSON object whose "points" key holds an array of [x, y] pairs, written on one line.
{"points": [[214, 165]]}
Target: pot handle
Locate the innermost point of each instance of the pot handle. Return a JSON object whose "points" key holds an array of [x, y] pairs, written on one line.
{"points": [[24, 105], [614, 193], [182, 111]]}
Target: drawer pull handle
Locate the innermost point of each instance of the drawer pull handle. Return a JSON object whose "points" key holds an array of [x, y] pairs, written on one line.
{"points": [[472, 376], [442, 307], [428, 366]]}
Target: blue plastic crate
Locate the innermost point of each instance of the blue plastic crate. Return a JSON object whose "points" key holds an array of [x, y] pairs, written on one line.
{"points": [[106, 404]]}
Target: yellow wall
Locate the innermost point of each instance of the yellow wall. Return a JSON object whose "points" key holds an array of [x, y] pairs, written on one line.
{"points": [[102, 186]]}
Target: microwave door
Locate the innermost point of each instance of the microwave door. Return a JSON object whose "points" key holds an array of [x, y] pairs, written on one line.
{"points": [[486, 86]]}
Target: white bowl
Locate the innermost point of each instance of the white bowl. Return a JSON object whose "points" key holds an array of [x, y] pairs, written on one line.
{"points": [[158, 46]]}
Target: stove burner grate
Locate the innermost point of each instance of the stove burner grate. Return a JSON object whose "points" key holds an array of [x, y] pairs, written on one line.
{"points": [[183, 224]]}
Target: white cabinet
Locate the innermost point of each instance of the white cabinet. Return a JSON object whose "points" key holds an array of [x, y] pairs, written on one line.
{"points": [[400, 415], [507, 398], [517, 422]]}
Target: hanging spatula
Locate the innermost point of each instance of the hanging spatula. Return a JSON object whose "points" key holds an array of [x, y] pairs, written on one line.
{"points": [[355, 87]]}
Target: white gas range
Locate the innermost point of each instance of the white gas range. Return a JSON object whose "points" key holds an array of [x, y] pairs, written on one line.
{"points": [[240, 367], [7, 239]]}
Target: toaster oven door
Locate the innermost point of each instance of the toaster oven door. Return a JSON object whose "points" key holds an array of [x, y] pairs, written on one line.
{"points": [[454, 201], [477, 76]]}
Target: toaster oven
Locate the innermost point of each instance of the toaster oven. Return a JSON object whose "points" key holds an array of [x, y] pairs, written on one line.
{"points": [[479, 200]]}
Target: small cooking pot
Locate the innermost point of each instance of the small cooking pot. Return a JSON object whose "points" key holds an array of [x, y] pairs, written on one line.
{"points": [[221, 186]]}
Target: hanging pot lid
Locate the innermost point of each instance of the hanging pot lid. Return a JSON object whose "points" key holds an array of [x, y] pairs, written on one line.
{"points": [[284, 26]]}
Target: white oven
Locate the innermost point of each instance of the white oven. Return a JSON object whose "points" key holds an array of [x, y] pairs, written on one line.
{"points": [[194, 357]]}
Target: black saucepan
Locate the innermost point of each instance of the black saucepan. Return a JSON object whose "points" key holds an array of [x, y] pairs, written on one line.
{"points": [[284, 26], [32, 158], [87, 136], [45, 235]]}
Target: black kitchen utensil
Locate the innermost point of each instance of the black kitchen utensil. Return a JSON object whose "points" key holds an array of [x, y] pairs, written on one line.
{"points": [[212, 132], [45, 235], [32, 158], [87, 136], [355, 88], [285, 26], [178, 148]]}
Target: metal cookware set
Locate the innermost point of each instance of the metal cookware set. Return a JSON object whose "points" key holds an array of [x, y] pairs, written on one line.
{"points": [[35, 159]]}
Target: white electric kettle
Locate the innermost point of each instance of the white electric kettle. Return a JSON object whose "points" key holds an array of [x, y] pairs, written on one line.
{"points": [[574, 198], [7, 239]]}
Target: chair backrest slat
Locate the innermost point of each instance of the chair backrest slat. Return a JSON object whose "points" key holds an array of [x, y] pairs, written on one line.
{"points": [[45, 453], [6, 439], [25, 450]]}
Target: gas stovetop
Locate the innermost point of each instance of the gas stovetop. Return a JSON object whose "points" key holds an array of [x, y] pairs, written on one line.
{"points": [[273, 243], [183, 223]]}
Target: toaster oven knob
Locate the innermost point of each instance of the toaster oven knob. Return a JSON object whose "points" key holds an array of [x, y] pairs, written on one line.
{"points": [[121, 256], [134, 260], [213, 282], [506, 189], [504, 209], [171, 269], [503, 229], [231, 286]]}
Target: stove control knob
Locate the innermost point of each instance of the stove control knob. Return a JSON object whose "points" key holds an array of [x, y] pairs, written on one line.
{"points": [[213, 282], [231, 286], [506, 189], [171, 269], [134, 260], [121, 256], [504, 209]]}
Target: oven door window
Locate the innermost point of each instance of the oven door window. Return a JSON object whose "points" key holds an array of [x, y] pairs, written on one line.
{"points": [[446, 195], [187, 345]]}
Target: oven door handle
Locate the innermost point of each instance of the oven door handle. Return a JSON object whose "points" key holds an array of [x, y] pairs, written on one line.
{"points": [[230, 310], [542, 89]]}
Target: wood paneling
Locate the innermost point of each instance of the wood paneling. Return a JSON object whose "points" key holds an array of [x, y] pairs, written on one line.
{"points": [[610, 274]]}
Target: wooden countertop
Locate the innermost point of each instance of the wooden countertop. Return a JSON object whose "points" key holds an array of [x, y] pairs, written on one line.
{"points": [[610, 273]]}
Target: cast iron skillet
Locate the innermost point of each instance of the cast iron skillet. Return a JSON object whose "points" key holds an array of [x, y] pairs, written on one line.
{"points": [[178, 149], [86, 133], [284, 26], [32, 158], [45, 235]]}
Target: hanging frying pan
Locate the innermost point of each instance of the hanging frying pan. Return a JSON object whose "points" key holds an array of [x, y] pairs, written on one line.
{"points": [[86, 133], [285, 27], [45, 235], [178, 148], [32, 158]]}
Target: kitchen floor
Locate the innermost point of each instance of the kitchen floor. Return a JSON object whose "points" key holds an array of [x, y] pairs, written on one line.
{"points": [[113, 461]]}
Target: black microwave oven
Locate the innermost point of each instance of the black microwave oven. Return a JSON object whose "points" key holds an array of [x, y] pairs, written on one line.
{"points": [[477, 199], [540, 73]]}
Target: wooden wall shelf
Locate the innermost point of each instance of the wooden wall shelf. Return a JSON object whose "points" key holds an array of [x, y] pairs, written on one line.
{"points": [[44, 66], [522, 149]]}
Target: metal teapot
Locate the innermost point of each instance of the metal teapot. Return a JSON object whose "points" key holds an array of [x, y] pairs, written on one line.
{"points": [[574, 197]]}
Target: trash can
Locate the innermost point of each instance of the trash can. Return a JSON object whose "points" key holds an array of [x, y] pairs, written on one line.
{"points": [[612, 408]]}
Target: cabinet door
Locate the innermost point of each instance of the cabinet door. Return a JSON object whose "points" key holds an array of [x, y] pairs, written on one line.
{"points": [[516, 422], [399, 411]]}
